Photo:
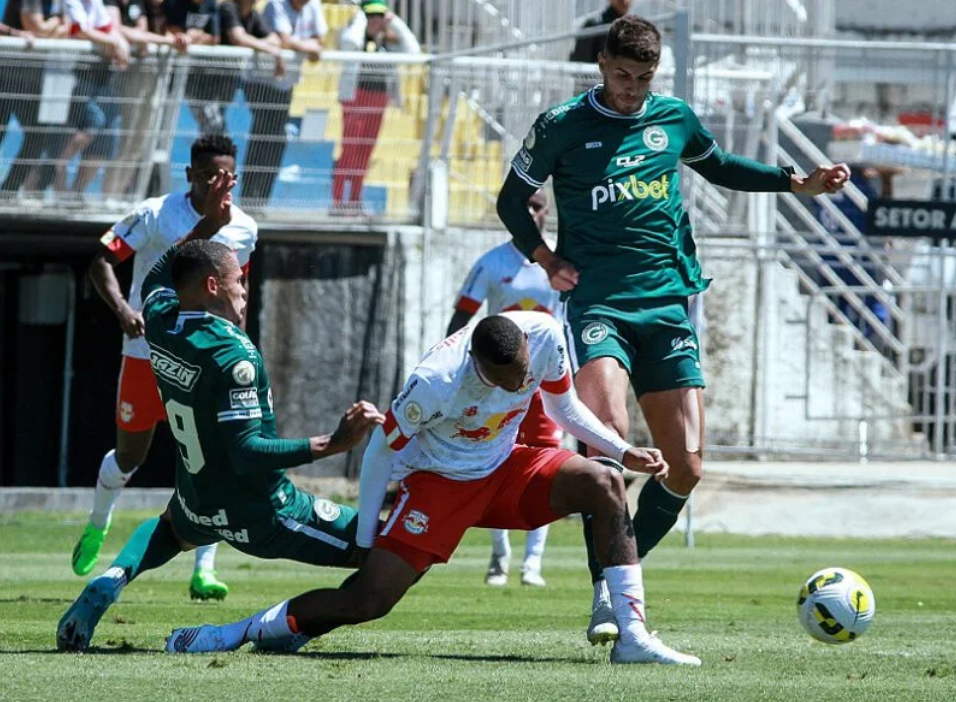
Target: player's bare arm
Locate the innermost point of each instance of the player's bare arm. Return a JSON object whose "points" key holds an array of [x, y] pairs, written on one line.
{"points": [[561, 273], [355, 424], [823, 180], [646, 460], [103, 278]]}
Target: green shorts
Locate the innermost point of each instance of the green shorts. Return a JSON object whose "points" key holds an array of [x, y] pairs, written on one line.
{"points": [[323, 534], [652, 338]]}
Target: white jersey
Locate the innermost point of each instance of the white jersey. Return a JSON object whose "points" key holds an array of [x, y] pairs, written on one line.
{"points": [[449, 421], [508, 281], [152, 228]]}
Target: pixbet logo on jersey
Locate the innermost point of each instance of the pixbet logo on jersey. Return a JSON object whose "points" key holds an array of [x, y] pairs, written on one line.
{"points": [[629, 188]]}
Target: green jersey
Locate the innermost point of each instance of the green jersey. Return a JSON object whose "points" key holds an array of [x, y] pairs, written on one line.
{"points": [[621, 219], [230, 475]]}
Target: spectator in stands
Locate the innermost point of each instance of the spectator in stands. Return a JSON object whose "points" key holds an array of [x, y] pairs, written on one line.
{"points": [[240, 24], [301, 27], [8, 86], [156, 16], [365, 91], [199, 21], [136, 92], [40, 19], [93, 105], [586, 49]]}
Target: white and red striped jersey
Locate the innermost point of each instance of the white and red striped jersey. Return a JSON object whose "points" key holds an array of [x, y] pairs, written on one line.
{"points": [[155, 225], [508, 281], [449, 421]]}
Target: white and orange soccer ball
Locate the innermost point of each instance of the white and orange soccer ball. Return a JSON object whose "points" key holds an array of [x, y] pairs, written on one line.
{"points": [[836, 606]]}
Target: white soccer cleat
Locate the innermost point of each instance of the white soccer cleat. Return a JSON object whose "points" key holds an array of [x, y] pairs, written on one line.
{"points": [[651, 650], [198, 639], [532, 577], [602, 628], [497, 575]]}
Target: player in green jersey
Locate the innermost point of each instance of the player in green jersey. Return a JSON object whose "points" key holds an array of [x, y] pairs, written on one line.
{"points": [[626, 258], [230, 464]]}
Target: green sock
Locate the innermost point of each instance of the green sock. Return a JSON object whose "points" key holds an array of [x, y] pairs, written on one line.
{"points": [[151, 545], [657, 511]]}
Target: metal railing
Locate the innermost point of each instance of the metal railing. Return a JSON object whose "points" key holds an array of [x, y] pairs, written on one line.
{"points": [[338, 138]]}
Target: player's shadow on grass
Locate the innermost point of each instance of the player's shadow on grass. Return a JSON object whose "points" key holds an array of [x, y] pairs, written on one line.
{"points": [[367, 656], [120, 650]]}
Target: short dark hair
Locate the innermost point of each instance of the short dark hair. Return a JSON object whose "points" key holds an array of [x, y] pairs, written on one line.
{"points": [[497, 340], [634, 38], [211, 145], [197, 259]]}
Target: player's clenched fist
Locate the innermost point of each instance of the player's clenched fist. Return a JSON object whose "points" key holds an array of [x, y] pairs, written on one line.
{"points": [[357, 421], [132, 322], [646, 460]]}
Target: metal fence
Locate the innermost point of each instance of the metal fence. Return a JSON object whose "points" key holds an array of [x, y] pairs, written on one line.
{"points": [[338, 138]]}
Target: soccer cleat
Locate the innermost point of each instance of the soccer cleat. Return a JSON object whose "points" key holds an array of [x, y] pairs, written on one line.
{"points": [[87, 549], [652, 650], [602, 629], [532, 577], [287, 644], [206, 586], [76, 627], [497, 575], [198, 639]]}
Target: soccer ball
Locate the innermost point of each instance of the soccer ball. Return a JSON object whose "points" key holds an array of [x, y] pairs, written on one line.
{"points": [[836, 606]]}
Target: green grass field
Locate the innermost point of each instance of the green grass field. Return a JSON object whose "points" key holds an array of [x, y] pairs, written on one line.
{"points": [[731, 601]]}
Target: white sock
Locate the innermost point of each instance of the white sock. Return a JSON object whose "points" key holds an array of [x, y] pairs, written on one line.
{"points": [[119, 578], [109, 485], [601, 595], [626, 585], [500, 546], [206, 557], [534, 548], [272, 623]]}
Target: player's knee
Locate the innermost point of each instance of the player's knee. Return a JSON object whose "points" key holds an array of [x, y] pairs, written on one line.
{"points": [[606, 484], [687, 470]]}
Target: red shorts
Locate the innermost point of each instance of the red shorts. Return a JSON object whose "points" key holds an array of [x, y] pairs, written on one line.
{"points": [[138, 404], [537, 428], [433, 513]]}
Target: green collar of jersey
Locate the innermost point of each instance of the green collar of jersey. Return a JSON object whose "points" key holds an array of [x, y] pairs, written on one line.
{"points": [[606, 111]]}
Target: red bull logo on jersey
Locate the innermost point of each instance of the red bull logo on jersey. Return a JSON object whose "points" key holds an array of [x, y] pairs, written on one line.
{"points": [[629, 188], [527, 304], [415, 522], [494, 425]]}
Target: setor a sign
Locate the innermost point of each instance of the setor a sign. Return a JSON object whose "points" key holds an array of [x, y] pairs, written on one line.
{"points": [[911, 218]]}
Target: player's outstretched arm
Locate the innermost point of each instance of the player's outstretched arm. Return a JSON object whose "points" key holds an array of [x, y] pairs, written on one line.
{"points": [[354, 425], [572, 415], [250, 452], [741, 173], [373, 484]]}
